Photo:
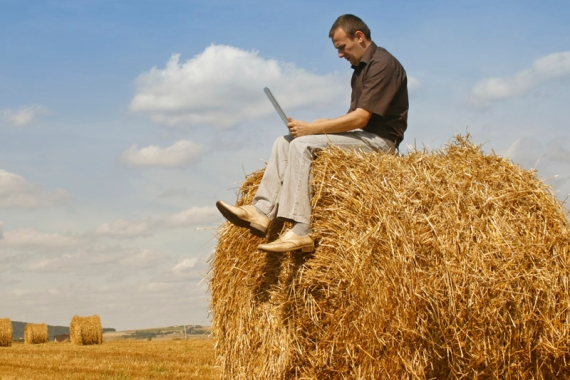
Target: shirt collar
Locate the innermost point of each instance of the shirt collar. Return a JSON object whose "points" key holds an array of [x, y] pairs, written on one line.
{"points": [[367, 55]]}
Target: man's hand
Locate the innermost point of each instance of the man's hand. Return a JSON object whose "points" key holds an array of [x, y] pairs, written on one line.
{"points": [[298, 128], [352, 120]]}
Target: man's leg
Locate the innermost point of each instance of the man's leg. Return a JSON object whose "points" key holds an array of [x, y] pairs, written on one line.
{"points": [[258, 216], [267, 196], [294, 198]]}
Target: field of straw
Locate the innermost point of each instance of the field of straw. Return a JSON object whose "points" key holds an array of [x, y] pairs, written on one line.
{"points": [[444, 264], [5, 332], [35, 333], [125, 360], [86, 330]]}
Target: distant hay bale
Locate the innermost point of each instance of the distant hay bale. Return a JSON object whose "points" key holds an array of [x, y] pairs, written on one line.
{"points": [[86, 330], [36, 333], [5, 332], [444, 264]]}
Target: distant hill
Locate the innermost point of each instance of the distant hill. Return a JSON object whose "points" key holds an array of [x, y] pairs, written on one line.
{"points": [[160, 333], [18, 330]]}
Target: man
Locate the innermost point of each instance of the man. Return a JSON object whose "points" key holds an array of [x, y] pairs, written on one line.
{"points": [[376, 121]]}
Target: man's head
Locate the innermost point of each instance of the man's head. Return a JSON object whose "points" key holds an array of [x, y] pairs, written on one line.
{"points": [[351, 37]]}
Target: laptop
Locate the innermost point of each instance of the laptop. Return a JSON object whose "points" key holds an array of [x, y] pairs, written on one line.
{"points": [[276, 105]]}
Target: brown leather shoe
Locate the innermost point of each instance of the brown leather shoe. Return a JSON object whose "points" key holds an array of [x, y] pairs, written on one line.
{"points": [[290, 241], [245, 216]]}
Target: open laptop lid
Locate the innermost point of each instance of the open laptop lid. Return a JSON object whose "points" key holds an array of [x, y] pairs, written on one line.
{"points": [[276, 105]]}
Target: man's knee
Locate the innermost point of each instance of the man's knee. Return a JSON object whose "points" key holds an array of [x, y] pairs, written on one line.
{"points": [[282, 142], [305, 145]]}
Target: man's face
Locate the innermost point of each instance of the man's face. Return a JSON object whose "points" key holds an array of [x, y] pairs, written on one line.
{"points": [[348, 48]]}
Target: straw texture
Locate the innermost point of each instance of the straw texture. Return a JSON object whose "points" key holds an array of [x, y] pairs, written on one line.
{"points": [[5, 332], [86, 330], [444, 264], [35, 333]]}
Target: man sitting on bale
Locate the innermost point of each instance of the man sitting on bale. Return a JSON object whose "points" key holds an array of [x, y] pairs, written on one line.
{"points": [[376, 121]]}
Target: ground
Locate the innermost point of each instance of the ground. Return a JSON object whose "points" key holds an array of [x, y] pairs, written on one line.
{"points": [[118, 359]]}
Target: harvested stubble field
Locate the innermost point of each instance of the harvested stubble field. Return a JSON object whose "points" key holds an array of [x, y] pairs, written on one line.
{"points": [[131, 359]]}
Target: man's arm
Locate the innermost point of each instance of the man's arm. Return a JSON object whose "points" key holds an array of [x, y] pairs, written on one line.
{"points": [[352, 120]]}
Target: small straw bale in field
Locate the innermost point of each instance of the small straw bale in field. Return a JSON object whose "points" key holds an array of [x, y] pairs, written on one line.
{"points": [[35, 333], [86, 330], [444, 264], [5, 332]]}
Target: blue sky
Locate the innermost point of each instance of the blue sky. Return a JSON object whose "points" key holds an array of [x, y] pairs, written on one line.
{"points": [[122, 122]]}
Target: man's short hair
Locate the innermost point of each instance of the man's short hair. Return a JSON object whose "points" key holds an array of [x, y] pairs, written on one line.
{"points": [[350, 24]]}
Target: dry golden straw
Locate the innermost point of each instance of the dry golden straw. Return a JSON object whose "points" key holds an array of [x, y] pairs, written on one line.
{"points": [[35, 333], [444, 264], [5, 332], [86, 330]]}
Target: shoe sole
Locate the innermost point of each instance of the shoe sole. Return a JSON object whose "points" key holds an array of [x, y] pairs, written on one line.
{"points": [[254, 228], [304, 249]]}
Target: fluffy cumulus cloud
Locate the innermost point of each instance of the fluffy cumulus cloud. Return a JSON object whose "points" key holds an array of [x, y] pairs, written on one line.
{"points": [[99, 259], [222, 87], [192, 216], [144, 227], [27, 238], [181, 154], [185, 265], [524, 151], [22, 116], [558, 151], [549, 159], [121, 229], [189, 270], [555, 65], [17, 192], [145, 258], [414, 85]]}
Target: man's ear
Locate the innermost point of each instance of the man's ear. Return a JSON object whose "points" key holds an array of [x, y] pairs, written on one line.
{"points": [[359, 36]]}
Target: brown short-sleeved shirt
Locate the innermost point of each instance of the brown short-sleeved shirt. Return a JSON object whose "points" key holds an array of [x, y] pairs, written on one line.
{"points": [[380, 85]]}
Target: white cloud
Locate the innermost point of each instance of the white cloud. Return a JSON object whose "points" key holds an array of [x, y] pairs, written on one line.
{"points": [[186, 271], [552, 66], [22, 116], [557, 150], [172, 193], [184, 265], [146, 258], [548, 159], [100, 259], [525, 152], [413, 84], [27, 238], [181, 154], [8, 261], [15, 191], [147, 226], [193, 216], [122, 229], [222, 87]]}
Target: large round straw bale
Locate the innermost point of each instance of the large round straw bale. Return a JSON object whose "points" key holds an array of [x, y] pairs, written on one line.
{"points": [[5, 332], [444, 264], [86, 330], [35, 333]]}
